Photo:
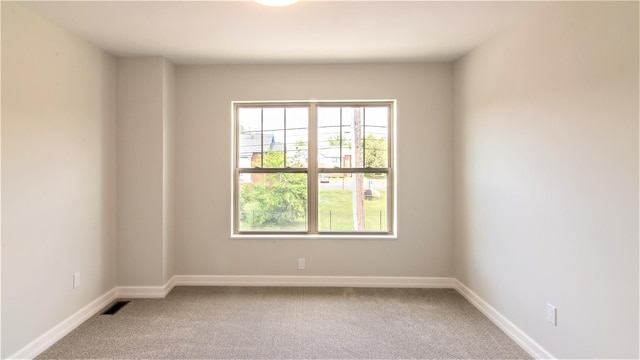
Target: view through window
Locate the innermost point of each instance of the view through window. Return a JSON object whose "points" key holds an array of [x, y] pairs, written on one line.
{"points": [[313, 168]]}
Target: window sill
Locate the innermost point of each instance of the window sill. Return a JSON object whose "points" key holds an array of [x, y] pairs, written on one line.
{"points": [[313, 237]]}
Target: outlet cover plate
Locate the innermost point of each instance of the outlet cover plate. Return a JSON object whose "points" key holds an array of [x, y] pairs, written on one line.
{"points": [[552, 314], [76, 280]]}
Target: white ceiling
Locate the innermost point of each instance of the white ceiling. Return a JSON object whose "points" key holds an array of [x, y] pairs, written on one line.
{"points": [[189, 32]]}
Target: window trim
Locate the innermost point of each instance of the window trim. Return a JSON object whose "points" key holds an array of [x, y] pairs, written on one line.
{"points": [[312, 170]]}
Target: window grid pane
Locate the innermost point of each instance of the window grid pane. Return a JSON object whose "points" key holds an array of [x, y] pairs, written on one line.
{"points": [[353, 137], [273, 202], [273, 137], [352, 202]]}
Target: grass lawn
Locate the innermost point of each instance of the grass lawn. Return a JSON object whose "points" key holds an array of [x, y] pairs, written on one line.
{"points": [[336, 211], [336, 214]]}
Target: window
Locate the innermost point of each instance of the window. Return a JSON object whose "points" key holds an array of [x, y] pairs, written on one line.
{"points": [[313, 168]]}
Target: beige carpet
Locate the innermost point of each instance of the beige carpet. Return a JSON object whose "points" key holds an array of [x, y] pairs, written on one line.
{"points": [[291, 323]]}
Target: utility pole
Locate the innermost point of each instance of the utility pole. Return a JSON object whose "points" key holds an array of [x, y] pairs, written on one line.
{"points": [[358, 178]]}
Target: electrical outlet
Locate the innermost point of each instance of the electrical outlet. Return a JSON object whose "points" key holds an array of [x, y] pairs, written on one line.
{"points": [[76, 280], [301, 264], [552, 314]]}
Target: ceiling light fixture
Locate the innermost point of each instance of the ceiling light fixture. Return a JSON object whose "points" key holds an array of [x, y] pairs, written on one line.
{"points": [[276, 2]]}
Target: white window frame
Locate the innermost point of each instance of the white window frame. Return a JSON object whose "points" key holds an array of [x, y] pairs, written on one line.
{"points": [[313, 170]]}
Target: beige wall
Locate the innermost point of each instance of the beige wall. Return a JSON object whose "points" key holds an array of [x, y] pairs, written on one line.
{"points": [[145, 178], [203, 170], [140, 164], [546, 161], [168, 171], [58, 175]]}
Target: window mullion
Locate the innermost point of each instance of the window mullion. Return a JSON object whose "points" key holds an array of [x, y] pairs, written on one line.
{"points": [[261, 137], [284, 110], [312, 160]]}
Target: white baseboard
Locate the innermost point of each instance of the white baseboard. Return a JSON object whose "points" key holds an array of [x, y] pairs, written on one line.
{"points": [[59, 331], [66, 326], [515, 333], [146, 292], [315, 281]]}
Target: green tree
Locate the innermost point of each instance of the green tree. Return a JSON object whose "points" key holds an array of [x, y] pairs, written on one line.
{"points": [[375, 151], [335, 141], [274, 198]]}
